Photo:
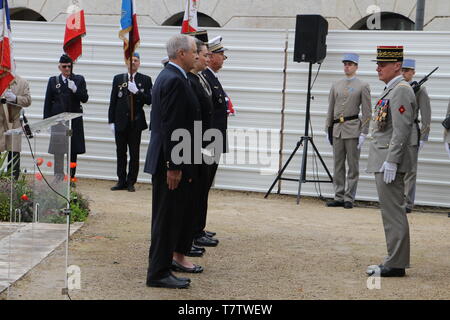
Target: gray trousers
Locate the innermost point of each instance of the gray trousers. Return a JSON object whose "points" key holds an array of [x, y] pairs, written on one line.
{"points": [[396, 227], [345, 149]]}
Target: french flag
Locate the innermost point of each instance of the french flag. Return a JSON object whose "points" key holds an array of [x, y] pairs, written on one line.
{"points": [[190, 23], [128, 24], [6, 54]]}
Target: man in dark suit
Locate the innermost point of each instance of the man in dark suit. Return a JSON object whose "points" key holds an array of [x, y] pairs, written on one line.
{"points": [[174, 110], [218, 121], [65, 93], [126, 126]]}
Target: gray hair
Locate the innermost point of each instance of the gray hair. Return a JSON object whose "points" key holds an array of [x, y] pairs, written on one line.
{"points": [[178, 42]]}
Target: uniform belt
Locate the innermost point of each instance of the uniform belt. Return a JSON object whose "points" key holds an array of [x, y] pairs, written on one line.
{"points": [[343, 119]]}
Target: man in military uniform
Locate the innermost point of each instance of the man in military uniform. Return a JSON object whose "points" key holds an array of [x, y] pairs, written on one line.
{"points": [[347, 130], [17, 96], [218, 121], [65, 93], [389, 158], [419, 135], [127, 127]]}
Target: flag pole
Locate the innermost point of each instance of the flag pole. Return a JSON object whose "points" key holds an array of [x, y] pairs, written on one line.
{"points": [[131, 95]]}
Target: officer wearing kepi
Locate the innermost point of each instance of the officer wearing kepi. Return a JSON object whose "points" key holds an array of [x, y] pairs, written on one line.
{"points": [[389, 158], [347, 130], [419, 135]]}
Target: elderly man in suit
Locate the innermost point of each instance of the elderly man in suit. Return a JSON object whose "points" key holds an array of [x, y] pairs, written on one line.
{"points": [[390, 159], [419, 135], [65, 93], [127, 127], [347, 130], [175, 109], [17, 96]]}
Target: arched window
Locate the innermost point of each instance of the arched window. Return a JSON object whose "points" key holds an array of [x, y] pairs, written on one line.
{"points": [[389, 21], [25, 14], [203, 20]]}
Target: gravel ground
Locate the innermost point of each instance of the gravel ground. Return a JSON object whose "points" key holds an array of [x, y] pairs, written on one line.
{"points": [[269, 249]]}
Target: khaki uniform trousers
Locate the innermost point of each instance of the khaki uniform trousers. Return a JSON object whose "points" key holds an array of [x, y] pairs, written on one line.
{"points": [[345, 150], [395, 222]]}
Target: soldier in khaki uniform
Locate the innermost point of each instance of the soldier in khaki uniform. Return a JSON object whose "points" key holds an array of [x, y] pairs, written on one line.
{"points": [[389, 158], [18, 94], [419, 135], [447, 134], [347, 130]]}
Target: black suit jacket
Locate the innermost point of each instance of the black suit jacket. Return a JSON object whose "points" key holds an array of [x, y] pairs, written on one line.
{"points": [[205, 103], [119, 105], [219, 116], [175, 106], [59, 98]]}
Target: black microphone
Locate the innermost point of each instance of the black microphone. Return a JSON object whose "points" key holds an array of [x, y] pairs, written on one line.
{"points": [[26, 127]]}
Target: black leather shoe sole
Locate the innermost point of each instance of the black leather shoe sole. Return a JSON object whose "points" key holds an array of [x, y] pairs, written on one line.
{"points": [[195, 253], [118, 187], [206, 242], [348, 205], [335, 203], [179, 268], [210, 233], [157, 284]]}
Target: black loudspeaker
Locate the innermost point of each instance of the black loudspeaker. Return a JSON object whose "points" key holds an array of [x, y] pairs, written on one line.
{"points": [[310, 38]]}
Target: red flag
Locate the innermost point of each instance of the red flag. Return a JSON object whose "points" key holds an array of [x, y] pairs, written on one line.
{"points": [[6, 55], [190, 23], [75, 30]]}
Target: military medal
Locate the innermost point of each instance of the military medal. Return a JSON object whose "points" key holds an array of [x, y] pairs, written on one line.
{"points": [[120, 94], [58, 85]]}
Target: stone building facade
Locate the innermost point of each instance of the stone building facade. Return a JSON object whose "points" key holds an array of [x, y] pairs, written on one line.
{"points": [[271, 14]]}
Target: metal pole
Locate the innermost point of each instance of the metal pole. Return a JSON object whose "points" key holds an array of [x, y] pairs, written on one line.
{"points": [[420, 14]]}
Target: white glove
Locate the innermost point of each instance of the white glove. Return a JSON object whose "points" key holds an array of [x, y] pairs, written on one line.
{"points": [[389, 169], [362, 138], [113, 128], [447, 148], [132, 87], [421, 143], [71, 85], [10, 96]]}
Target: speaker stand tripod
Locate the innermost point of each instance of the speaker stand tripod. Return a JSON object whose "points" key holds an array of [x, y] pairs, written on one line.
{"points": [[304, 141]]}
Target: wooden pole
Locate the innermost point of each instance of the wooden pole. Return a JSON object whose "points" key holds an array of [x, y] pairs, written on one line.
{"points": [[131, 95]]}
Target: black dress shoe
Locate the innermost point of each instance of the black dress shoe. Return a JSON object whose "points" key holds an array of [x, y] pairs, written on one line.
{"points": [[168, 282], [198, 248], [119, 186], [195, 252], [348, 205], [408, 210], [210, 233], [131, 188], [335, 203], [180, 268], [182, 278], [386, 271], [206, 242]]}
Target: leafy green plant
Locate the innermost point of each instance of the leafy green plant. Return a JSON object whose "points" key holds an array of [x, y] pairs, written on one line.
{"points": [[26, 192]]}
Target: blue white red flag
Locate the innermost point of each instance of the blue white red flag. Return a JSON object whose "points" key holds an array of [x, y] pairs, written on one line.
{"points": [[129, 32], [6, 52]]}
